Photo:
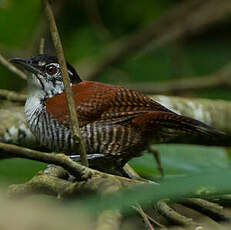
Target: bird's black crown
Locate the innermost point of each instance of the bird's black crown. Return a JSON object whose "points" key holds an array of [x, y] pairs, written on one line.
{"points": [[47, 59]]}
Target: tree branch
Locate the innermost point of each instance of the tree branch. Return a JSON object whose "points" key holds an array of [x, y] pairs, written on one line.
{"points": [[174, 216], [54, 181], [43, 183], [77, 170], [12, 96], [184, 19], [145, 217], [12, 68], [220, 78], [208, 207], [42, 46], [74, 123], [109, 220]]}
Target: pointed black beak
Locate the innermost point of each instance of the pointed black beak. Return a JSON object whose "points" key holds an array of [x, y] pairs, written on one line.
{"points": [[26, 64]]}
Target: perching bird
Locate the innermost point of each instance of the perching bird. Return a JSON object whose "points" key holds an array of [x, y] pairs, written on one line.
{"points": [[116, 123]]}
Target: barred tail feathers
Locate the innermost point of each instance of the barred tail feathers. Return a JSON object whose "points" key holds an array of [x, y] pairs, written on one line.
{"points": [[177, 122]]}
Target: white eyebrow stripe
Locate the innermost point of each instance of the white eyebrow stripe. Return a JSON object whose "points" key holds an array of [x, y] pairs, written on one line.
{"points": [[70, 72], [41, 63], [55, 64]]}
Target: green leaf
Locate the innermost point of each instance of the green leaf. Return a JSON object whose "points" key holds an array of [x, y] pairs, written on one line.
{"points": [[18, 170], [182, 160]]}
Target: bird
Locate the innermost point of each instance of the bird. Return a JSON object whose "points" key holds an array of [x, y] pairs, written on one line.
{"points": [[116, 123]]}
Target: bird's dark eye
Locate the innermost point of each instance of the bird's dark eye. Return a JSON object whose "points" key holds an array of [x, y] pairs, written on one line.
{"points": [[51, 69]]}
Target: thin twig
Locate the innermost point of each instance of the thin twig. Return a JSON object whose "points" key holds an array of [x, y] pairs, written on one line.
{"points": [[221, 78], [156, 223], [209, 207], [156, 155], [42, 46], [76, 134], [139, 209], [224, 199], [172, 215], [62, 160], [145, 217], [12, 68], [130, 171], [77, 170], [12, 96]]}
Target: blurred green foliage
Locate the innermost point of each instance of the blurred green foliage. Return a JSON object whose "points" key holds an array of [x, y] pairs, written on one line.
{"points": [[204, 53], [208, 184], [18, 22]]}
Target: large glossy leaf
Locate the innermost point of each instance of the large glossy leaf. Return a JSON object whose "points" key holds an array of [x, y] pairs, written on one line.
{"points": [[178, 160]]}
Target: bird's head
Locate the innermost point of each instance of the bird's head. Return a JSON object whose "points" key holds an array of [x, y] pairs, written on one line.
{"points": [[46, 75]]}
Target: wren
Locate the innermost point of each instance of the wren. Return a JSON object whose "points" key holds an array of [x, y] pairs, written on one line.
{"points": [[116, 123]]}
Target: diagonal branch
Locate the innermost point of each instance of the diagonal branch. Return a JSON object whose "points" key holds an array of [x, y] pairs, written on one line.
{"points": [[74, 123], [12, 96], [184, 19], [74, 168], [77, 170], [42, 46], [12, 68], [221, 78]]}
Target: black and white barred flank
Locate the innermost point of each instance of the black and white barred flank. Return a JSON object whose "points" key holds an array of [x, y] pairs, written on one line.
{"points": [[99, 137]]}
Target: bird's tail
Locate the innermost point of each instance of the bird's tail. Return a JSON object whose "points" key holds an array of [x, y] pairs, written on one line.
{"points": [[190, 125], [176, 122]]}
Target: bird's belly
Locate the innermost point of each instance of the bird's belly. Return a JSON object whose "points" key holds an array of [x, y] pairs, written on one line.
{"points": [[50, 133], [107, 138], [99, 137]]}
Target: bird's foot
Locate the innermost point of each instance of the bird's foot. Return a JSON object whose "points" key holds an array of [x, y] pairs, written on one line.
{"points": [[89, 156], [156, 154]]}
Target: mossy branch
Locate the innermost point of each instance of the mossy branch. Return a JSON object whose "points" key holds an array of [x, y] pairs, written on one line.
{"points": [[77, 170]]}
